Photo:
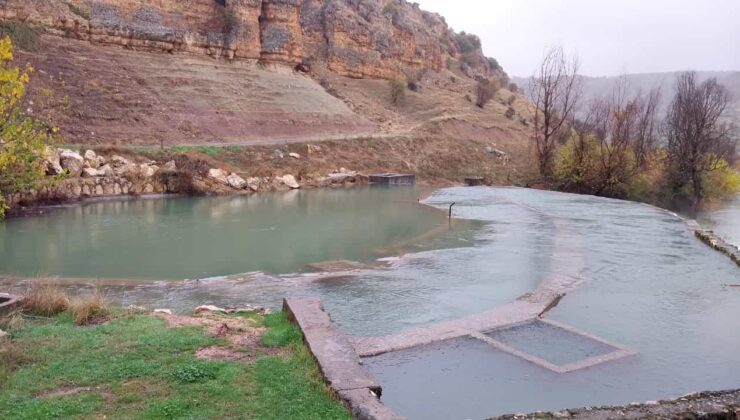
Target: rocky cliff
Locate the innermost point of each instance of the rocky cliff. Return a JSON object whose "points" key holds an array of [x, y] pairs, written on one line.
{"points": [[356, 38]]}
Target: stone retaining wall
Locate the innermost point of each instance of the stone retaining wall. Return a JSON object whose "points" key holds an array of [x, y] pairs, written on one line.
{"points": [[706, 405]]}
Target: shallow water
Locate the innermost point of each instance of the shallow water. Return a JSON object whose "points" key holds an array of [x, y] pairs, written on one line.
{"points": [[550, 343], [646, 282], [205, 237], [725, 220]]}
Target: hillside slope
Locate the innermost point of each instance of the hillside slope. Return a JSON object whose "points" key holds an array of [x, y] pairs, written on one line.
{"points": [[157, 82]]}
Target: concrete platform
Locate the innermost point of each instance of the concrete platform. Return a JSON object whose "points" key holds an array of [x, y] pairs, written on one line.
{"points": [[338, 362], [9, 303]]}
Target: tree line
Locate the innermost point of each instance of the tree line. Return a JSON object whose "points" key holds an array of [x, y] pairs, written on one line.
{"points": [[618, 146]]}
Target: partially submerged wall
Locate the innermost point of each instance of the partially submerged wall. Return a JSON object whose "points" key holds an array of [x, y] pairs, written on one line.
{"points": [[715, 241], [723, 405]]}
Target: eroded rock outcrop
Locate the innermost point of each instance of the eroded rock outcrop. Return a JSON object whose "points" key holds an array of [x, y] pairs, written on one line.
{"points": [[357, 38]]}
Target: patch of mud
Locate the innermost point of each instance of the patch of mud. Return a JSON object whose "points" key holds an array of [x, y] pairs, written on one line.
{"points": [[243, 354], [243, 336], [74, 390]]}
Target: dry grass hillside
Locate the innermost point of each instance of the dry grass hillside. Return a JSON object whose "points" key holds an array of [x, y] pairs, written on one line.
{"points": [[236, 113]]}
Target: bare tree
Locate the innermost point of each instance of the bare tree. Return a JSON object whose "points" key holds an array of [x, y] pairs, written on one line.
{"points": [[485, 91], [646, 137], [615, 120], [698, 142], [554, 91], [607, 139]]}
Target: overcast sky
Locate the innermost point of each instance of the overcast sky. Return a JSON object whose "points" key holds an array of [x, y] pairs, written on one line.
{"points": [[610, 36]]}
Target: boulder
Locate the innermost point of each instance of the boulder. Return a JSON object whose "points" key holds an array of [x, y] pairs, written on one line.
{"points": [[277, 154], [3, 333], [218, 175], [294, 155], [148, 170], [92, 172], [106, 170], [53, 165], [162, 311], [71, 161], [170, 166], [235, 181], [289, 181], [498, 153], [120, 165], [254, 183], [92, 160]]}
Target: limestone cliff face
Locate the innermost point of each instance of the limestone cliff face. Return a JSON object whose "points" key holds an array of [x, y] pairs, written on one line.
{"points": [[356, 38]]}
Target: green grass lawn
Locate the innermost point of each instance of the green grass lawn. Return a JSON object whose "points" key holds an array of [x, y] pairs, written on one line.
{"points": [[137, 367]]}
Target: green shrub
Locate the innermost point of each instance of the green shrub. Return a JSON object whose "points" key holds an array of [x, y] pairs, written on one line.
{"points": [[24, 138], [467, 42], [22, 35], [510, 113], [722, 182], [398, 91], [79, 12], [193, 373], [493, 64]]}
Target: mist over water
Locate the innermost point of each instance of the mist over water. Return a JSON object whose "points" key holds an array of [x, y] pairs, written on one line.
{"points": [[724, 220]]}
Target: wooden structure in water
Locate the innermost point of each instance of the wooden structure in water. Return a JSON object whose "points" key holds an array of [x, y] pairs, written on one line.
{"points": [[393, 179]]}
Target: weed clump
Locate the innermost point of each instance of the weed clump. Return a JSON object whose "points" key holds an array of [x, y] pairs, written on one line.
{"points": [[12, 356], [193, 373], [90, 310], [46, 298]]}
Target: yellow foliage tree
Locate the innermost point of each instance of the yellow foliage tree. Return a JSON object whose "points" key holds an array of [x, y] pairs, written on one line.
{"points": [[23, 139]]}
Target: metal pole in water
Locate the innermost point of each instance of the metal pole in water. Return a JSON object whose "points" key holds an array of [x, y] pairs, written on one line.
{"points": [[450, 214]]}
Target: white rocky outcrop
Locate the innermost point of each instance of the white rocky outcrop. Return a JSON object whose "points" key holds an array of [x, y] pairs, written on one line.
{"points": [[53, 165], [71, 161], [91, 173], [237, 182], [254, 183], [170, 166], [294, 155], [147, 170], [106, 170], [289, 181], [120, 165], [218, 175], [93, 160]]}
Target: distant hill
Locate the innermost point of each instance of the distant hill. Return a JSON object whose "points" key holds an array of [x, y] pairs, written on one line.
{"points": [[594, 87]]}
